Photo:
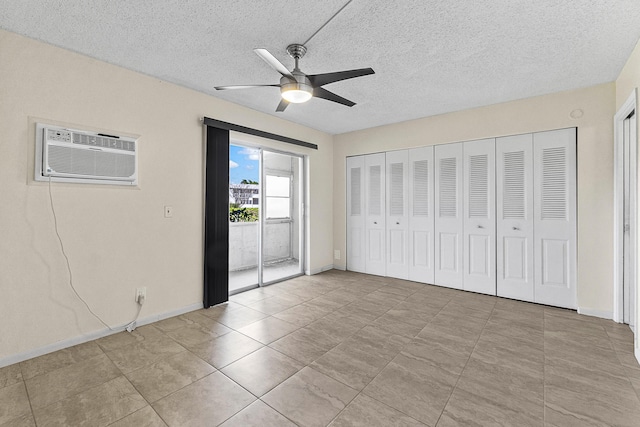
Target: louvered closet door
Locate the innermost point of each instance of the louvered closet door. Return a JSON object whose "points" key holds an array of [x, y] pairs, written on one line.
{"points": [[397, 219], [449, 216], [514, 176], [555, 217], [421, 215], [375, 248], [355, 214], [479, 216]]}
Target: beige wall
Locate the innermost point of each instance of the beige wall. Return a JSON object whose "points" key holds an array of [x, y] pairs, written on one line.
{"points": [[629, 77], [595, 166], [116, 238]]}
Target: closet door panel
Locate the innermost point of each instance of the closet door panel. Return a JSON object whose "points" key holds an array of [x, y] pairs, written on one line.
{"points": [[421, 209], [375, 248], [555, 217], [514, 176], [449, 216], [355, 214], [397, 218], [515, 258], [479, 216]]}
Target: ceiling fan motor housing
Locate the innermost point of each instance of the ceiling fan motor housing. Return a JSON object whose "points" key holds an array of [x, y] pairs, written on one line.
{"points": [[302, 84]]}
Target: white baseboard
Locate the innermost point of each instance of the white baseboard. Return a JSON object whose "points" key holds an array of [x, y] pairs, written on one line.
{"points": [[172, 313], [340, 267], [81, 339], [595, 313], [319, 270]]}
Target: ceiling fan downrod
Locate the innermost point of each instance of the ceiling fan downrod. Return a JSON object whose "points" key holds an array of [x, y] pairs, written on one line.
{"points": [[296, 51]]}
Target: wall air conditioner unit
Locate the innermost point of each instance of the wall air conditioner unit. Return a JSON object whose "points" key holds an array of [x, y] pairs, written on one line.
{"points": [[69, 155]]}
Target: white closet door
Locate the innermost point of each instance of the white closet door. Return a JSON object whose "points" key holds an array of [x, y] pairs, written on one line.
{"points": [[421, 215], [375, 214], [449, 216], [555, 217], [479, 216], [355, 214], [514, 158], [397, 218]]}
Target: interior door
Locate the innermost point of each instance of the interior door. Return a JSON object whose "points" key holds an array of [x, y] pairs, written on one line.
{"points": [[449, 216], [479, 216], [555, 217], [514, 227], [355, 214], [626, 233], [630, 284], [397, 218], [375, 230], [421, 215]]}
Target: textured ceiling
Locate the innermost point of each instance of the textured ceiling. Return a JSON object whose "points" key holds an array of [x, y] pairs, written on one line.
{"points": [[430, 56]]}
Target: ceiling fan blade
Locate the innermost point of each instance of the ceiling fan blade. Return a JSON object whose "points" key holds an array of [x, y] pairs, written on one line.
{"points": [[320, 92], [274, 63], [242, 87], [326, 78], [282, 105]]}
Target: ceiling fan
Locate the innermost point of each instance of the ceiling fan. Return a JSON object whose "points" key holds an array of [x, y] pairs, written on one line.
{"points": [[298, 87]]}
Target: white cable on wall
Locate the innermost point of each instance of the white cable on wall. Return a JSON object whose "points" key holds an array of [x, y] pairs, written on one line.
{"points": [[130, 326]]}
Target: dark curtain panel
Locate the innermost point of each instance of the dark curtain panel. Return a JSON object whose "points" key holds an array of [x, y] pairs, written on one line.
{"points": [[216, 218]]}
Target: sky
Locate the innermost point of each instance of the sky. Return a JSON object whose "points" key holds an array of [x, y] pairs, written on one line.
{"points": [[243, 164]]}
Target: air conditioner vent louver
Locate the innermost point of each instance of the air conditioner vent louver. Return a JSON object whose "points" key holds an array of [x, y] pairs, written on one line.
{"points": [[63, 160], [80, 156]]}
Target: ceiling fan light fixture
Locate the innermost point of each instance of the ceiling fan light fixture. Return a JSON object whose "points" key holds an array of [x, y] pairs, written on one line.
{"points": [[297, 87], [296, 93]]}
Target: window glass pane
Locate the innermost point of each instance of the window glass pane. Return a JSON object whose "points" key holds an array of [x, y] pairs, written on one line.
{"points": [[278, 207], [278, 186]]}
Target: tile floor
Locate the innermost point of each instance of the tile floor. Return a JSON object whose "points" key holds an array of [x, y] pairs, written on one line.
{"points": [[241, 279], [340, 349]]}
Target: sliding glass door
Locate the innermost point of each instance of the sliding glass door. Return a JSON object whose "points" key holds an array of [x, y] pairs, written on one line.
{"points": [[265, 217], [282, 219], [244, 216]]}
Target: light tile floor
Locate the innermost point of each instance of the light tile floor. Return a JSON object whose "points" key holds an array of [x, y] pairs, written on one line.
{"points": [[340, 349], [278, 270]]}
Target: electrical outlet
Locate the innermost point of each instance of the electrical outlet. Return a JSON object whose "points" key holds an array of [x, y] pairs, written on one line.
{"points": [[141, 295], [168, 211], [336, 254]]}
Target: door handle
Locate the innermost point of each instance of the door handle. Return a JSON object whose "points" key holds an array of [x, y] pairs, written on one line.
{"points": [[375, 222], [480, 226], [515, 229], [397, 223]]}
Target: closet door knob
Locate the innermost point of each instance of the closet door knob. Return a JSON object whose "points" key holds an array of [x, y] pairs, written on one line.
{"points": [[515, 229], [375, 222], [397, 223], [480, 226]]}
